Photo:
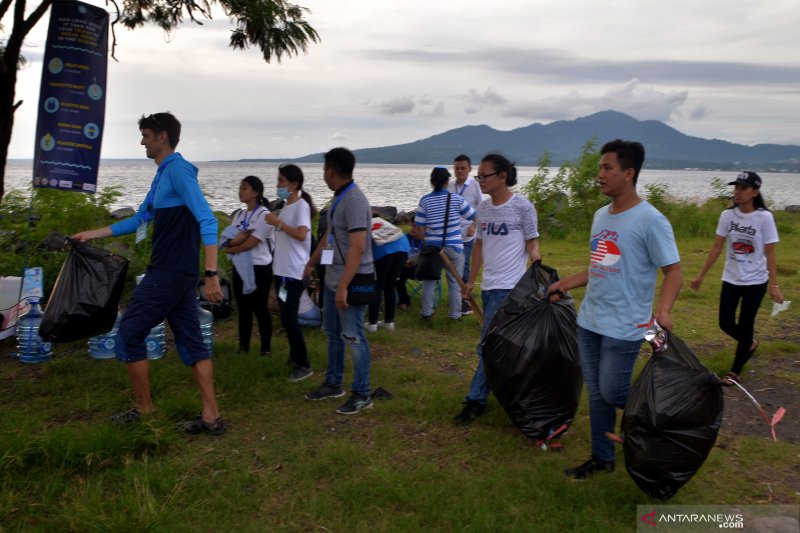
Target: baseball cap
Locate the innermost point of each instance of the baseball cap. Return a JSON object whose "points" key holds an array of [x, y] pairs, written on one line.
{"points": [[749, 179]]}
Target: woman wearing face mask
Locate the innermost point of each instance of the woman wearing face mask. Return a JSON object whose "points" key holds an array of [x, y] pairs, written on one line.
{"points": [[252, 278], [292, 251]]}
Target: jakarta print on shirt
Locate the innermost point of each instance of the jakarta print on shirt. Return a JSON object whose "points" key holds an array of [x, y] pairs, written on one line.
{"points": [[746, 234], [626, 251]]}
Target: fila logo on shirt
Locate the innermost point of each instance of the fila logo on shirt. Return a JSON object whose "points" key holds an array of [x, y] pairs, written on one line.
{"points": [[494, 229]]}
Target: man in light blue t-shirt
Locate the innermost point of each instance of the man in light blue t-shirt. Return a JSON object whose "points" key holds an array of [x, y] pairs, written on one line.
{"points": [[630, 241]]}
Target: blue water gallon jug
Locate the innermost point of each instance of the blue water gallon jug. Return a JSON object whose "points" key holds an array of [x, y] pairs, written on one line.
{"points": [[206, 322], [102, 346], [30, 346], [155, 342]]}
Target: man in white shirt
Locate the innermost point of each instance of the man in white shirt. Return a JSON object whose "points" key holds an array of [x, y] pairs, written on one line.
{"points": [[469, 189]]}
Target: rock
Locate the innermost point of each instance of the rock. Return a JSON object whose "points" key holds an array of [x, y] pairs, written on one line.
{"points": [[792, 209], [404, 217], [7, 236], [386, 212], [770, 524], [120, 248], [122, 212], [54, 242]]}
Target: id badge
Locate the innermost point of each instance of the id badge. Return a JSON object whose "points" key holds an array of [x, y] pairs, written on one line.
{"points": [[141, 232], [327, 257], [282, 294]]}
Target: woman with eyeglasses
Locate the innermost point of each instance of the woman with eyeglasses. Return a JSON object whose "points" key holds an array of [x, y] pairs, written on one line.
{"points": [[438, 223], [292, 252], [251, 249], [747, 231]]}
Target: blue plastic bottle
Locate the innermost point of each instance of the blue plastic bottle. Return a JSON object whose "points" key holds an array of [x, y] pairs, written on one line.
{"points": [[155, 343], [102, 346], [31, 347], [206, 322]]}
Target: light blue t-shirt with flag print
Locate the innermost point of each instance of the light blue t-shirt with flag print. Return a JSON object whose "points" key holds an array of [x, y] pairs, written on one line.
{"points": [[627, 250], [431, 216]]}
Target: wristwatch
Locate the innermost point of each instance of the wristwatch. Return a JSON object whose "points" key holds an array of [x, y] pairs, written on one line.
{"points": [[210, 273]]}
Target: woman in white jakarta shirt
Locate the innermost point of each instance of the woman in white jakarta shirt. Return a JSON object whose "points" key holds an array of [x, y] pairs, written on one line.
{"points": [[292, 251], [748, 232], [253, 238]]}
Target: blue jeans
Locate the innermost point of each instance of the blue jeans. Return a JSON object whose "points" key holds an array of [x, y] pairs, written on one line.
{"points": [[453, 288], [346, 326], [607, 365], [467, 256], [491, 300]]}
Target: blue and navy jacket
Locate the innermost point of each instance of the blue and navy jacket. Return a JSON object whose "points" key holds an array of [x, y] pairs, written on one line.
{"points": [[180, 214]]}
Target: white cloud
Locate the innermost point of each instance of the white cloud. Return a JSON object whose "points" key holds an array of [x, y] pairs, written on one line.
{"points": [[396, 106]]}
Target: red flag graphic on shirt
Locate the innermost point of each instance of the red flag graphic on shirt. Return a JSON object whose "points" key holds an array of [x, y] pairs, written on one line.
{"points": [[605, 252]]}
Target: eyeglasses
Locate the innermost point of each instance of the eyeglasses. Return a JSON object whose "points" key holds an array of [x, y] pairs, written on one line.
{"points": [[482, 177]]}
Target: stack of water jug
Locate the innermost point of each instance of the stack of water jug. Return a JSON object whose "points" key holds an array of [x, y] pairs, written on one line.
{"points": [[31, 348]]}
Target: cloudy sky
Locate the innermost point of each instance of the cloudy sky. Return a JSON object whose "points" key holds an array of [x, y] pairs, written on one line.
{"points": [[390, 72]]}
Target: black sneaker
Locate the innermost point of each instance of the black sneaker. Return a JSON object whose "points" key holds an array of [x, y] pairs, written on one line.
{"points": [[326, 390], [130, 416], [299, 373], [355, 403], [589, 467], [465, 307], [470, 412], [198, 425]]}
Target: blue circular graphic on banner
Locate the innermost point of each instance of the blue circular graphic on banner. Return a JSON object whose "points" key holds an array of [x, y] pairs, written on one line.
{"points": [[55, 65], [52, 104], [47, 143], [94, 91], [91, 130]]}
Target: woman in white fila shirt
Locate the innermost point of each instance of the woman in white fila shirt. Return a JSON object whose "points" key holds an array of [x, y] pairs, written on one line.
{"points": [[748, 232]]}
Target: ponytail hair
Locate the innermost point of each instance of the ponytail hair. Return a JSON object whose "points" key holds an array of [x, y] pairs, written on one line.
{"points": [[294, 174], [257, 185], [501, 164]]}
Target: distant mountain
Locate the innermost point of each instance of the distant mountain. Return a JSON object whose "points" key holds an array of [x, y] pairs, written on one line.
{"points": [[666, 147]]}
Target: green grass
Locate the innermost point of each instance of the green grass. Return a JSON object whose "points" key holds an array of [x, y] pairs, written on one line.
{"points": [[288, 464]]}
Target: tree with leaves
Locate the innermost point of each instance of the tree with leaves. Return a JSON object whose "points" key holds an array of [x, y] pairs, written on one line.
{"points": [[276, 27]]}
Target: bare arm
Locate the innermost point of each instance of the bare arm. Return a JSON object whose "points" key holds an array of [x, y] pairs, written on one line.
{"points": [[86, 236], [557, 289], [670, 288], [297, 233], [213, 292], [249, 243], [357, 241], [532, 249], [716, 249], [772, 266]]}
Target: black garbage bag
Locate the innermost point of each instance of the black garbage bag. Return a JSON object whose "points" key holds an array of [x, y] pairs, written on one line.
{"points": [[86, 295], [531, 359], [671, 420]]}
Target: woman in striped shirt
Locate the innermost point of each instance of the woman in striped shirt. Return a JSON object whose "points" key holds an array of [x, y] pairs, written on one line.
{"points": [[434, 208]]}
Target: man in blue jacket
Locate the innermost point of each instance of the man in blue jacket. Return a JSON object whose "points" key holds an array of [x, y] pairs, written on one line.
{"points": [[181, 216]]}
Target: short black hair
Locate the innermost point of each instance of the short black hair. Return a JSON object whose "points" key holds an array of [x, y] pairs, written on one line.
{"points": [[463, 157], [630, 154], [166, 121], [501, 163], [342, 161]]}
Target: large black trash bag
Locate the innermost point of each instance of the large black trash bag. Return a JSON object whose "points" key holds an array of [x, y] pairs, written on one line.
{"points": [[671, 420], [86, 295], [531, 359]]}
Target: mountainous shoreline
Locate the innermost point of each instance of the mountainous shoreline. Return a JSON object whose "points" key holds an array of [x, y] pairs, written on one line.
{"points": [[666, 147]]}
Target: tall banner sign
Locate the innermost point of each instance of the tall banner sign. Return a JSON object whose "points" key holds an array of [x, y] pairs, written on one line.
{"points": [[72, 98]]}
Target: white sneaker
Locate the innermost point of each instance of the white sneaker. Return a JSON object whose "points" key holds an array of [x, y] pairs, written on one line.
{"points": [[388, 326], [372, 328]]}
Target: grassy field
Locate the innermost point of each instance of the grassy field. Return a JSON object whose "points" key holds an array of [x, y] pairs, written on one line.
{"points": [[288, 464]]}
